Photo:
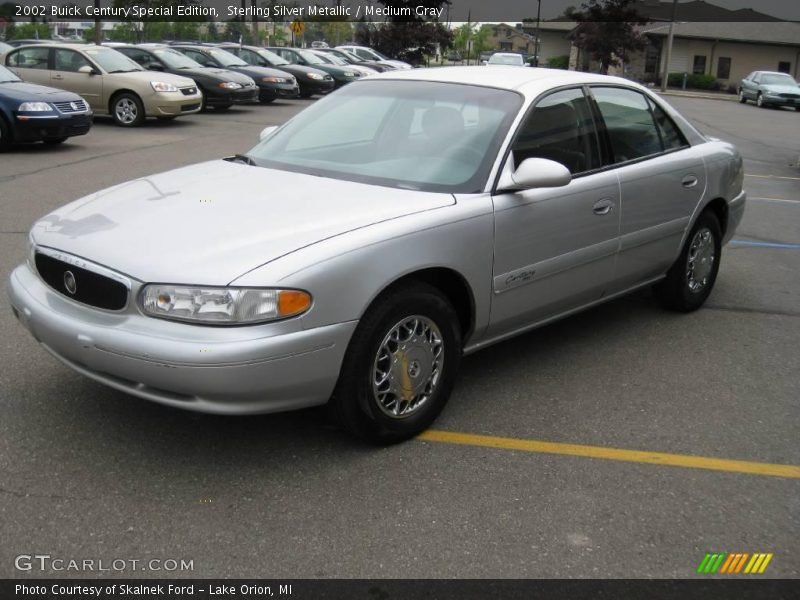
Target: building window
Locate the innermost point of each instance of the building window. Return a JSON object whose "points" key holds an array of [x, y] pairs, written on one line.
{"points": [[784, 67], [699, 67], [651, 58], [724, 67]]}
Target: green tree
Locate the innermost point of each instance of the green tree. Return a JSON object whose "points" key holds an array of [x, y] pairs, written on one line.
{"points": [[606, 30], [26, 31], [478, 36]]}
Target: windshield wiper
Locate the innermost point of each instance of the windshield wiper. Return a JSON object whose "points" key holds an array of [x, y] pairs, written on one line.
{"points": [[242, 158]]}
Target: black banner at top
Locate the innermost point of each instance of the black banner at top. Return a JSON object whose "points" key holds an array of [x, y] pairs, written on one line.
{"points": [[454, 11]]}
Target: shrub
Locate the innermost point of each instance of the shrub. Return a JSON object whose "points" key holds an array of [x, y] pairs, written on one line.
{"points": [[558, 62], [698, 82]]}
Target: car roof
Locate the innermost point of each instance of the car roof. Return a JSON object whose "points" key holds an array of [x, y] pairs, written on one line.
{"points": [[773, 73], [504, 77]]}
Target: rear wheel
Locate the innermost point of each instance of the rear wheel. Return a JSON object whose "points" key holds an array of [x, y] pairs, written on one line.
{"points": [[267, 101], [691, 279], [127, 110], [400, 366]]}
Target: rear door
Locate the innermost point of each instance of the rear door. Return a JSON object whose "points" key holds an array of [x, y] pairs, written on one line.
{"points": [[555, 247], [31, 64], [661, 177], [65, 74]]}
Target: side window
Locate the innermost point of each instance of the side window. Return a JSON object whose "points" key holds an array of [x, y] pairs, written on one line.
{"points": [[671, 136], [196, 56], [724, 68], [559, 128], [247, 56], [139, 56], [756, 78], [69, 60], [629, 123], [29, 58]]}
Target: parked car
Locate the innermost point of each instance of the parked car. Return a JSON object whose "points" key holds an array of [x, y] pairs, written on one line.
{"points": [[221, 88], [311, 81], [28, 42], [33, 113], [319, 44], [352, 59], [506, 58], [330, 59], [271, 83], [299, 56], [769, 88], [109, 81], [366, 53], [361, 248]]}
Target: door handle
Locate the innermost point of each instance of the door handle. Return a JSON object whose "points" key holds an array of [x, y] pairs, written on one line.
{"points": [[689, 181], [603, 206], [58, 77]]}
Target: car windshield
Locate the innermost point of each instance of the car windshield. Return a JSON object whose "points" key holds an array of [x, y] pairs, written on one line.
{"points": [[420, 135], [505, 59], [226, 59], [345, 56], [176, 60], [310, 57], [376, 54], [7, 76], [272, 58], [777, 79], [112, 61], [336, 60]]}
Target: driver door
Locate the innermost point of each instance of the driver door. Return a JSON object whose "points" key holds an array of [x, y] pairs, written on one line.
{"points": [[555, 248]]}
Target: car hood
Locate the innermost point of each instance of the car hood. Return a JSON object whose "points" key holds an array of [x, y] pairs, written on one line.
{"points": [[212, 222], [214, 74], [781, 89], [298, 69], [145, 77], [27, 92]]}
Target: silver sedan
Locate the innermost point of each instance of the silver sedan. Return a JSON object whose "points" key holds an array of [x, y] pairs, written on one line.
{"points": [[359, 250]]}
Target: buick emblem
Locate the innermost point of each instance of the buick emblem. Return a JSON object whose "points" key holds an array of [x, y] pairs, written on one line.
{"points": [[69, 282]]}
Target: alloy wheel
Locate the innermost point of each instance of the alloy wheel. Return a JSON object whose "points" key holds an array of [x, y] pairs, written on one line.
{"points": [[700, 260]]}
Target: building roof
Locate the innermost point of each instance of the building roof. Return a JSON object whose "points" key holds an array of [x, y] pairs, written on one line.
{"points": [[696, 11], [781, 33]]}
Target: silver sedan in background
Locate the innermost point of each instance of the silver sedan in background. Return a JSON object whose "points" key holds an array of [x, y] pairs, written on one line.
{"points": [[359, 250]]}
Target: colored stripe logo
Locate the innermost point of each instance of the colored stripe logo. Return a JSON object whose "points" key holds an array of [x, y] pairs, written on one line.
{"points": [[734, 563]]}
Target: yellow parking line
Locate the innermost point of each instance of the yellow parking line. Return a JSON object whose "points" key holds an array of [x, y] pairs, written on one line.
{"points": [[771, 176], [637, 456]]}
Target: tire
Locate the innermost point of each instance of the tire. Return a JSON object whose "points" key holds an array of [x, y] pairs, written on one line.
{"points": [[742, 98], [760, 101], [55, 141], [305, 95], [419, 315], [797, 108], [127, 110], [691, 279], [6, 140]]}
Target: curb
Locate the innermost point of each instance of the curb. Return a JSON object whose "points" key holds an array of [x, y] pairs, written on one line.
{"points": [[725, 97]]}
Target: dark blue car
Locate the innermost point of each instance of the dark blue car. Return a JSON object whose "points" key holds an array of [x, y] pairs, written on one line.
{"points": [[35, 113]]}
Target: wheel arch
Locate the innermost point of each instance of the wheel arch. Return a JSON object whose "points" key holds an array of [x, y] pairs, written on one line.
{"points": [[122, 91], [719, 207], [449, 282]]}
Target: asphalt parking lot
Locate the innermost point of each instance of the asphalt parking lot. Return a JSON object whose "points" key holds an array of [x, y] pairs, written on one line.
{"points": [[88, 472]]}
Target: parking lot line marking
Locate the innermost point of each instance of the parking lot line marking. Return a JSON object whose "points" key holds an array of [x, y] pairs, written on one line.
{"points": [[753, 244], [771, 176], [775, 200], [636, 456]]}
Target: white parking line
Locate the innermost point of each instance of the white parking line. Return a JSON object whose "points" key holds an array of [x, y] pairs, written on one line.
{"points": [[782, 200], [772, 177]]}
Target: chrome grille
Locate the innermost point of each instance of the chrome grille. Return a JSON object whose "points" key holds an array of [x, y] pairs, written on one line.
{"points": [[74, 106]]}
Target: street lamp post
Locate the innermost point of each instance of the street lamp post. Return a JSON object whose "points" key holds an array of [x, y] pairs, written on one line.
{"points": [[536, 40], [668, 56]]}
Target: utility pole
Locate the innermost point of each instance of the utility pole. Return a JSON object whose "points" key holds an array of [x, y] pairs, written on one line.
{"points": [[536, 40], [98, 26], [670, 36]]}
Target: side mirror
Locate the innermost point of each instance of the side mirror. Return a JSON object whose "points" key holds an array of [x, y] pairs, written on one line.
{"points": [[534, 173], [87, 70], [266, 132]]}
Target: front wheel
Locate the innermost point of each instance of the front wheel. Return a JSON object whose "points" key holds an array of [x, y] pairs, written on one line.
{"points": [[760, 101], [690, 280], [400, 366], [5, 136], [742, 98], [127, 110]]}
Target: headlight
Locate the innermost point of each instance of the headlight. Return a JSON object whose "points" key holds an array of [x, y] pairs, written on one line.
{"points": [[315, 76], [274, 79], [31, 253], [222, 305], [230, 85], [161, 86], [35, 107]]}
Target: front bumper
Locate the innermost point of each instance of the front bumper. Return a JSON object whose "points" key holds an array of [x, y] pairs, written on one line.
{"points": [[273, 91], [316, 86], [172, 104], [224, 370], [221, 97], [38, 129], [781, 101]]}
